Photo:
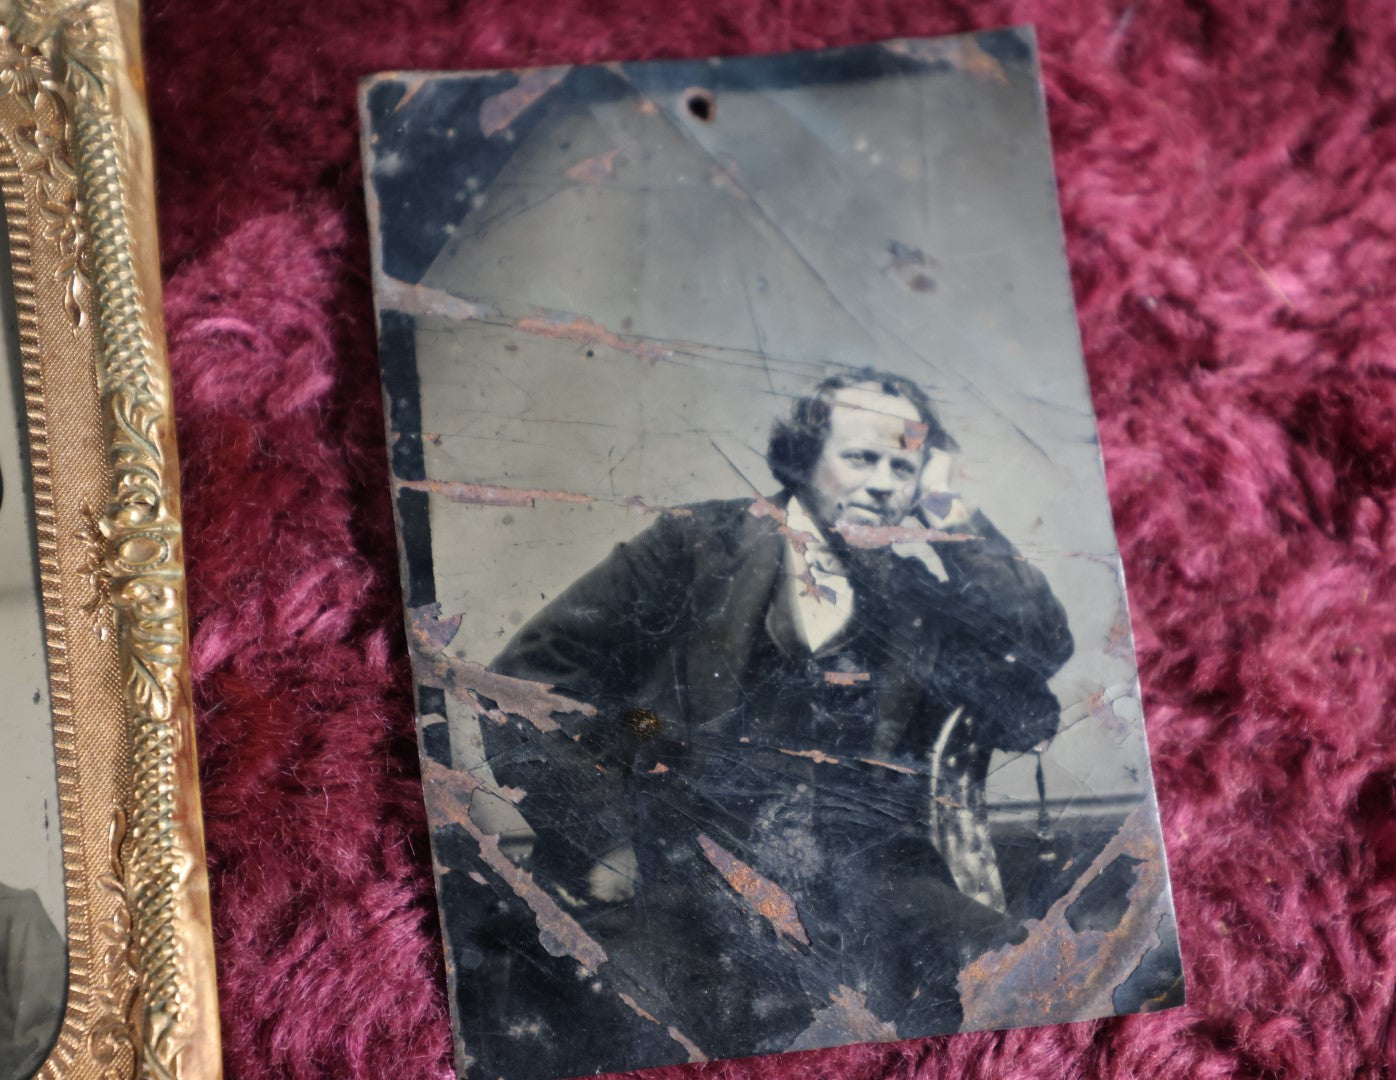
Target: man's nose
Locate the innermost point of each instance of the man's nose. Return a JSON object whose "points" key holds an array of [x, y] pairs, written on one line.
{"points": [[881, 483]]}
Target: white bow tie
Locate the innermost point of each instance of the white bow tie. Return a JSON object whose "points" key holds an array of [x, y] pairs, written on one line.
{"points": [[824, 560]]}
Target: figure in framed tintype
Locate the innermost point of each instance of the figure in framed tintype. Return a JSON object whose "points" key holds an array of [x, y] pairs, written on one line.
{"points": [[106, 952], [774, 675]]}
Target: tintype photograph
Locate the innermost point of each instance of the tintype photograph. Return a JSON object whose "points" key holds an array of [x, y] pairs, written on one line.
{"points": [[33, 946], [775, 680]]}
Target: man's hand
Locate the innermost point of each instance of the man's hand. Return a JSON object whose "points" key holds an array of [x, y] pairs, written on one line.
{"points": [[936, 504], [612, 878]]}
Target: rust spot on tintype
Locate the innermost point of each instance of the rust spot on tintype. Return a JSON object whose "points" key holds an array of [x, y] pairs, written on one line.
{"points": [[596, 169], [850, 1017], [965, 53], [813, 589], [914, 434], [412, 86], [1120, 642], [973, 59], [695, 1055], [799, 539], [464, 784], [763, 507], [587, 332], [763, 896], [846, 678], [637, 505], [906, 769], [491, 495], [467, 682], [876, 536], [1067, 975], [817, 756], [690, 1047], [634, 1006], [448, 800], [395, 295], [500, 110], [1103, 709], [439, 631], [643, 723]]}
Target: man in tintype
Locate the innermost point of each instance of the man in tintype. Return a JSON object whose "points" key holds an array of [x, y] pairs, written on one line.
{"points": [[746, 813]]}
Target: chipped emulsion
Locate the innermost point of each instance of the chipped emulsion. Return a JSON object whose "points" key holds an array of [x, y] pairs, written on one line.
{"points": [[905, 770], [1066, 973], [849, 1017], [963, 53], [424, 300], [596, 169], [501, 110], [559, 933], [491, 495], [589, 332], [695, 1055], [846, 678], [876, 536], [819, 757], [435, 629], [526, 498], [448, 792], [469, 682]]}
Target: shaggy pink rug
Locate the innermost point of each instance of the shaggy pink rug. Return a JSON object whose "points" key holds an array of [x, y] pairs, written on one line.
{"points": [[1228, 176]]}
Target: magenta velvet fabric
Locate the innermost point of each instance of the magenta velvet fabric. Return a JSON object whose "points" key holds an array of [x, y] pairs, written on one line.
{"points": [[1227, 172]]}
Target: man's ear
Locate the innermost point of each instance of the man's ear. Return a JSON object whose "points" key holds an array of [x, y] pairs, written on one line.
{"points": [[937, 505], [936, 472]]}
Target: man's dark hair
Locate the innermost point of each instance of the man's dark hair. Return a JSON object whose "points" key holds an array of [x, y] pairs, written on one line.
{"points": [[796, 443]]}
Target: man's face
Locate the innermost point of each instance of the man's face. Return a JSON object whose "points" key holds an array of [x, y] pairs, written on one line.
{"points": [[865, 474]]}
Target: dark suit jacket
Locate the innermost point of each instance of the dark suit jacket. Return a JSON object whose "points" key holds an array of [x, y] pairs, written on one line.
{"points": [[33, 969], [659, 639]]}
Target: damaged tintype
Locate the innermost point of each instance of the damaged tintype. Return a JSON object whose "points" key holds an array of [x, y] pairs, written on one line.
{"points": [[775, 680]]}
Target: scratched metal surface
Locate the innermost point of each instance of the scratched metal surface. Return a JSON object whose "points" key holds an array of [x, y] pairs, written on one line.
{"points": [[598, 288]]}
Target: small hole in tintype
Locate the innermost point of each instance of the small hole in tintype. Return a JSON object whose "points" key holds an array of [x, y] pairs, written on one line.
{"points": [[701, 105]]}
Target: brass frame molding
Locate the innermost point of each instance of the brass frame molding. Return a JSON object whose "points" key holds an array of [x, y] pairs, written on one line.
{"points": [[75, 172]]}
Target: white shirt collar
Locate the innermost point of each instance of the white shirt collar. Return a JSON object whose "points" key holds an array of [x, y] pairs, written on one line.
{"points": [[819, 588], [797, 519]]}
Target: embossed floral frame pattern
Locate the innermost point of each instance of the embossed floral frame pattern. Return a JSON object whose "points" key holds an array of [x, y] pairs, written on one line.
{"points": [[75, 176]]}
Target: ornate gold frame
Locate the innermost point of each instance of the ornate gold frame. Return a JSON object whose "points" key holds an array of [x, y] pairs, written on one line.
{"points": [[75, 173]]}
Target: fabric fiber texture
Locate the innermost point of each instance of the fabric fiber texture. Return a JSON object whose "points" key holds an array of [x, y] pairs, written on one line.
{"points": [[1227, 173]]}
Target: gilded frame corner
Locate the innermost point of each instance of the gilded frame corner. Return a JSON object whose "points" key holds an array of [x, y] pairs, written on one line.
{"points": [[75, 176]]}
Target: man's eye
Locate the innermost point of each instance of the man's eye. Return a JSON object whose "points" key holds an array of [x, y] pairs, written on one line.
{"points": [[904, 469], [860, 457]]}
